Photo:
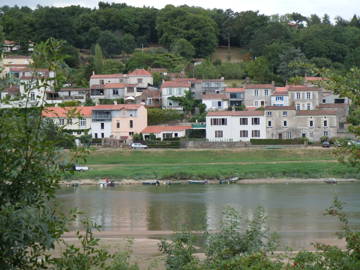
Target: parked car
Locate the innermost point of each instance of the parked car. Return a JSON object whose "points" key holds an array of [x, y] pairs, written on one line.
{"points": [[326, 144], [138, 146]]}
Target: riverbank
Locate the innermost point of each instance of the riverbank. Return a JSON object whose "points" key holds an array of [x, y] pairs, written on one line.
{"points": [[94, 182], [215, 164]]}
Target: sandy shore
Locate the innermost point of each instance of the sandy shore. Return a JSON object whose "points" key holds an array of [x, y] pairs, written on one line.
{"points": [[241, 181]]}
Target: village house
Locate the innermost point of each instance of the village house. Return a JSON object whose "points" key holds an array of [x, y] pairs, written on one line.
{"points": [[304, 97], [173, 89], [12, 64], [258, 95], [281, 122], [236, 96], [68, 94], [119, 121], [165, 132], [141, 78], [215, 102], [235, 125], [280, 97], [75, 120], [150, 97]]}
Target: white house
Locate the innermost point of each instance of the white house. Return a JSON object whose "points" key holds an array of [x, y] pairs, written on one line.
{"points": [[173, 89], [280, 97], [141, 78], [215, 101], [101, 79], [165, 132], [235, 125]]}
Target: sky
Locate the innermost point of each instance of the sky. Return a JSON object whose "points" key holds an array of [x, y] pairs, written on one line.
{"points": [[344, 8]]}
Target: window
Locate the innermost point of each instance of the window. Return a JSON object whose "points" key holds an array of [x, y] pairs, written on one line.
{"points": [[284, 113], [130, 89], [82, 122], [298, 107], [298, 95], [117, 124], [256, 93], [131, 123], [285, 123], [102, 135], [256, 103], [131, 133], [96, 136], [218, 133], [266, 92], [308, 95], [269, 113], [244, 133], [219, 103], [255, 133], [326, 133], [288, 135], [101, 81], [69, 121], [102, 126], [32, 96], [279, 98], [325, 123], [243, 121], [311, 123], [139, 80], [62, 121], [176, 135], [308, 106], [115, 91], [255, 121], [218, 121], [79, 132], [324, 101], [269, 123]]}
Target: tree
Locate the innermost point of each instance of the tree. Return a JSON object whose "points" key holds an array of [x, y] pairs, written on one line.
{"points": [[183, 48], [206, 70], [259, 70], [348, 85], [113, 66], [127, 43], [98, 59], [187, 102], [110, 43]]}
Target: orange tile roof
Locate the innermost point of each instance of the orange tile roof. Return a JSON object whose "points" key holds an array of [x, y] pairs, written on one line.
{"points": [[279, 108], [106, 76], [215, 96], [258, 86], [114, 85], [315, 112], [158, 129], [236, 113], [170, 84], [52, 112], [302, 88], [234, 90], [140, 72]]}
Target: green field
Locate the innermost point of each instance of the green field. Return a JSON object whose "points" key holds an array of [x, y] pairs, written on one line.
{"points": [[214, 164]]}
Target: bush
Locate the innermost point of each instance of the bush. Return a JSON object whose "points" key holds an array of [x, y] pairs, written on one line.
{"points": [[196, 133], [164, 144], [158, 116], [277, 141], [324, 139]]}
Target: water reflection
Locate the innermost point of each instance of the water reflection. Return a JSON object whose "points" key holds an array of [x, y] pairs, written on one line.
{"points": [[294, 210]]}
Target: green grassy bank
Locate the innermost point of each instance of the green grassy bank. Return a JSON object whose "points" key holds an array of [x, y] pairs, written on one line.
{"points": [[214, 164]]}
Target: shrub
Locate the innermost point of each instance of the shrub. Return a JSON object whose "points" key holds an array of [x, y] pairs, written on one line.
{"points": [[277, 141]]}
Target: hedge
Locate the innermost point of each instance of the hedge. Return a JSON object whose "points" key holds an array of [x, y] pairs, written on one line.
{"points": [[277, 141], [163, 144]]}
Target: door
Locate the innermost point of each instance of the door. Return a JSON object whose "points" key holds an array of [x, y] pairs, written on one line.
{"points": [[280, 136]]}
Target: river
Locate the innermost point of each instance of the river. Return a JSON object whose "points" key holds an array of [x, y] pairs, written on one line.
{"points": [[294, 211]]}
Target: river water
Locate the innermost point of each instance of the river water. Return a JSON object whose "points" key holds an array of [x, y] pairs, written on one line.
{"points": [[294, 211]]}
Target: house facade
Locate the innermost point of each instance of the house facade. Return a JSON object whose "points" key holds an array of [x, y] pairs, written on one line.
{"points": [[236, 96], [165, 132], [173, 89], [258, 95], [215, 102], [235, 125]]}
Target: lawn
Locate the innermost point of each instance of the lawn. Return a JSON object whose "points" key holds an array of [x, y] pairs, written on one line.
{"points": [[214, 164]]}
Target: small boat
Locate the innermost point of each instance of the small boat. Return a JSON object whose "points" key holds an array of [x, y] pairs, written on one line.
{"points": [[198, 182], [331, 181], [106, 183], [152, 183], [228, 180]]}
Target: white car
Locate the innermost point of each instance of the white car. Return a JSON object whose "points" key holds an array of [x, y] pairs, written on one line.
{"points": [[138, 146]]}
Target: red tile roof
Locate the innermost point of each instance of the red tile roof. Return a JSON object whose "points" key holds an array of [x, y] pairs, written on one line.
{"points": [[140, 72], [234, 90], [170, 84], [236, 113], [118, 107], [259, 86], [280, 93], [302, 88], [114, 85], [9, 42], [215, 96], [279, 108], [158, 129], [107, 76], [64, 112], [315, 112]]}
